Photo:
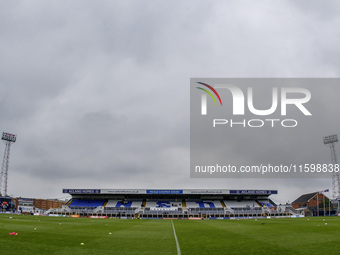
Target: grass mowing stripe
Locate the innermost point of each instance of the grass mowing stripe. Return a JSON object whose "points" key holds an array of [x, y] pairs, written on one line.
{"points": [[177, 244]]}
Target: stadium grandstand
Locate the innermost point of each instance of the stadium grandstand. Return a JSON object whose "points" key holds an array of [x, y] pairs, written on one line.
{"points": [[171, 203]]}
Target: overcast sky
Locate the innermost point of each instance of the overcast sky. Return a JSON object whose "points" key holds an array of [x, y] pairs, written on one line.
{"points": [[98, 91]]}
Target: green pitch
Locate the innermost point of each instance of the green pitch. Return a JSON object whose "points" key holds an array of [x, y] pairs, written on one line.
{"points": [[49, 235]]}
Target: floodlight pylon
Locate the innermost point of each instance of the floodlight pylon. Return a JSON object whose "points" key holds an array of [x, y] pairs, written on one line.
{"points": [[8, 139], [331, 140]]}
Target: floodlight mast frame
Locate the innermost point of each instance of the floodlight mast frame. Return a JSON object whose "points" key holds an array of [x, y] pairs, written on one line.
{"points": [[331, 140], [8, 139]]}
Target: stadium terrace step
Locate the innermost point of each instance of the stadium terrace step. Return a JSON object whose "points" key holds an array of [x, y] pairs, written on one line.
{"points": [[66, 208], [99, 209], [223, 204], [184, 205], [69, 202]]}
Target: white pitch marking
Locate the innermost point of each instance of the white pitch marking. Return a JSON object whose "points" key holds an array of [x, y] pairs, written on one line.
{"points": [[177, 244]]}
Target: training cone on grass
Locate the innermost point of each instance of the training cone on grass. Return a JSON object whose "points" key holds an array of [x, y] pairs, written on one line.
{"points": [[13, 234]]}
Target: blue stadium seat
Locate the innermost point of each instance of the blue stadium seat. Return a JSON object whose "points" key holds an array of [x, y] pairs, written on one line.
{"points": [[86, 203]]}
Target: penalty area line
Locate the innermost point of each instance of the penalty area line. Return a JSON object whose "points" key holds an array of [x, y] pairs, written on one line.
{"points": [[177, 244]]}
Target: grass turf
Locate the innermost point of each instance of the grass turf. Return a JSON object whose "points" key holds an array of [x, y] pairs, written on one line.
{"points": [[50, 235]]}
